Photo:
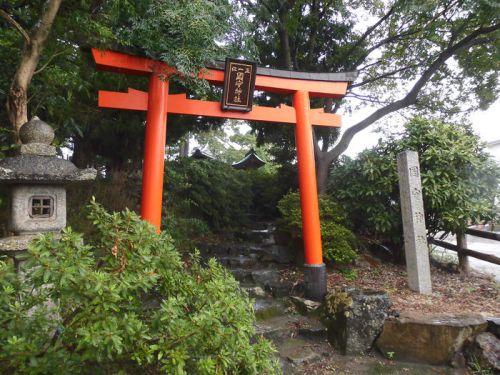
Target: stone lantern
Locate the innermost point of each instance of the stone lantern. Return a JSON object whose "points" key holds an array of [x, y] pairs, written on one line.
{"points": [[38, 193]]}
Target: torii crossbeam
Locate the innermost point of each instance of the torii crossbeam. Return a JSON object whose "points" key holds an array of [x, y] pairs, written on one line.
{"points": [[158, 102]]}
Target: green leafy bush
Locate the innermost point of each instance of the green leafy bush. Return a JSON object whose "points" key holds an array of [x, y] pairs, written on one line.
{"points": [[267, 190], [207, 190], [124, 303], [338, 240], [459, 181], [201, 198]]}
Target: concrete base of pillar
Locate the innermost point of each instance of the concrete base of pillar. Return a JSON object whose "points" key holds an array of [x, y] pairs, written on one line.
{"points": [[315, 281]]}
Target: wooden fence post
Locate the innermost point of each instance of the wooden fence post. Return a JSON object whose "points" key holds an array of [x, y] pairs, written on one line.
{"points": [[463, 260]]}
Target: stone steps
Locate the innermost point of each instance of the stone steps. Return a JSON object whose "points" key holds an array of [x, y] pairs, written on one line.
{"points": [[298, 340], [250, 256], [268, 279], [278, 252], [296, 351], [283, 327], [257, 262]]}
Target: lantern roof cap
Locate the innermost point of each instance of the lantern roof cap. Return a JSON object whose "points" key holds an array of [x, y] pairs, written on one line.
{"points": [[37, 161]]}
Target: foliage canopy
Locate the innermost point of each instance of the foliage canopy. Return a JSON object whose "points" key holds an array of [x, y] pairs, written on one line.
{"points": [[62, 88], [435, 56], [208, 190]]}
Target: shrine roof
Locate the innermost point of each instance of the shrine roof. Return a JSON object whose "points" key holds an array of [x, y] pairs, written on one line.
{"points": [[250, 161], [198, 154]]}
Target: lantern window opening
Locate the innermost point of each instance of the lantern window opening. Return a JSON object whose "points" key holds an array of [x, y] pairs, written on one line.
{"points": [[41, 206]]}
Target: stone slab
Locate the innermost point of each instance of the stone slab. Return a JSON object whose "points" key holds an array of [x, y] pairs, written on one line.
{"points": [[485, 352], [306, 306], [298, 351], [433, 339], [13, 244]]}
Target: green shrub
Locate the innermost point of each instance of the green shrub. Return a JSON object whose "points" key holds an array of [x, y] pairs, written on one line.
{"points": [[460, 181], [201, 198], [207, 190], [338, 240], [266, 191], [124, 303]]}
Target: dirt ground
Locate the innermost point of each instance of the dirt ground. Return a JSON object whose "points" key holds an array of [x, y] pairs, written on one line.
{"points": [[452, 292]]}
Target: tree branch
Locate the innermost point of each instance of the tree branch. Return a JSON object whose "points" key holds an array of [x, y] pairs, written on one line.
{"points": [[17, 106], [384, 41], [315, 142], [365, 98], [398, 36], [16, 25], [411, 97], [50, 60], [368, 31], [41, 31], [385, 75]]}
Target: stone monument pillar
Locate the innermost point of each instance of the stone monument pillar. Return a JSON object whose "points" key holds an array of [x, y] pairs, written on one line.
{"points": [[412, 210], [38, 193]]}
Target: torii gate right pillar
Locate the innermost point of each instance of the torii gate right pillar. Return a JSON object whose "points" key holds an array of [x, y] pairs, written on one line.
{"points": [[314, 268]]}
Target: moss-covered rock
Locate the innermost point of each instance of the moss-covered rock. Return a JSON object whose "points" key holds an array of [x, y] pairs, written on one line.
{"points": [[354, 318]]}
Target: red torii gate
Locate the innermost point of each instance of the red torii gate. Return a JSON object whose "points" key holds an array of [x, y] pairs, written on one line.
{"points": [[157, 102]]}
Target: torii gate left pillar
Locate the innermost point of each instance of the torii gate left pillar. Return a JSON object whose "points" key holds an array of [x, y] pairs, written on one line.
{"points": [[154, 155], [157, 102]]}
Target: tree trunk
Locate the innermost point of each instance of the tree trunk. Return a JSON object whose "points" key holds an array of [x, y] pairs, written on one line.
{"points": [[17, 108], [286, 55], [17, 99], [82, 153], [184, 147], [322, 171]]}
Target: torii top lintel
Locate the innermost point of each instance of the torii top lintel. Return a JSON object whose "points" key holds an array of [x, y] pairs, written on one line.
{"points": [[327, 85], [331, 85]]}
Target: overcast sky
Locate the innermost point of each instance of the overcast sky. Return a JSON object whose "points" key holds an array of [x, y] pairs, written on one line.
{"points": [[485, 123]]}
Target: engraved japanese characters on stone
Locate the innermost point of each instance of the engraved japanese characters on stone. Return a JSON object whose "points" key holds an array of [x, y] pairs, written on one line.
{"points": [[419, 217], [416, 192], [413, 214], [414, 171]]}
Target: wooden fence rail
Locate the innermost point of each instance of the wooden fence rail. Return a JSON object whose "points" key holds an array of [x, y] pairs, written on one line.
{"points": [[483, 234], [466, 252]]}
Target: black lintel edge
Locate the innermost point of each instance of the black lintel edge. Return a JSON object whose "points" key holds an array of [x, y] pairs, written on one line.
{"points": [[330, 77]]}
